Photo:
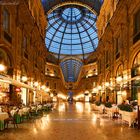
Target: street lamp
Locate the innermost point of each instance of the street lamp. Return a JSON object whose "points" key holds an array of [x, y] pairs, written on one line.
{"points": [[36, 84], [43, 87], [119, 79], [24, 78], [107, 84], [47, 89], [99, 87], [2, 68]]}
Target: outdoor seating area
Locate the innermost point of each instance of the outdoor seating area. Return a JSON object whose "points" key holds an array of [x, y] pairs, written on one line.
{"points": [[15, 115], [126, 112]]}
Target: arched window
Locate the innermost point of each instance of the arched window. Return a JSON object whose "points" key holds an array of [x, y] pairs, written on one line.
{"points": [[119, 71], [137, 27]]}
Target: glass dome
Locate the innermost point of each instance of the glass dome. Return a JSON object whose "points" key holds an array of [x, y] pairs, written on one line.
{"points": [[71, 31]]}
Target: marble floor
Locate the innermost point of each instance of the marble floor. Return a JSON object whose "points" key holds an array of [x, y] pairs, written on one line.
{"points": [[71, 122]]}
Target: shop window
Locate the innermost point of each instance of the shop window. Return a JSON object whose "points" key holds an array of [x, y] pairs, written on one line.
{"points": [[136, 27], [6, 20], [135, 71]]}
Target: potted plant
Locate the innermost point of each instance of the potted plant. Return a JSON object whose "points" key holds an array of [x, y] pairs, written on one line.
{"points": [[127, 113], [108, 104], [125, 107], [98, 103]]}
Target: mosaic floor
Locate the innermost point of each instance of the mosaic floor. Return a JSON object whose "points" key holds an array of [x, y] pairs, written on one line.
{"points": [[71, 122]]}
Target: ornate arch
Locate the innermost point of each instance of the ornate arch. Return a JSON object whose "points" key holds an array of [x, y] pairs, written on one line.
{"points": [[7, 53], [133, 56], [119, 70]]}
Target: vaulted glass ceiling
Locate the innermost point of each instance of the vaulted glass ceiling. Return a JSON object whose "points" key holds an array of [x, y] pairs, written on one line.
{"points": [[71, 31], [71, 69]]}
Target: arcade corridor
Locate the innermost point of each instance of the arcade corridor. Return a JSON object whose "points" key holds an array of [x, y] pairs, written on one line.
{"points": [[71, 122]]}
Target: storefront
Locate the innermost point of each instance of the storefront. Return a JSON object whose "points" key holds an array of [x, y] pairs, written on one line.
{"points": [[4, 93], [135, 72]]}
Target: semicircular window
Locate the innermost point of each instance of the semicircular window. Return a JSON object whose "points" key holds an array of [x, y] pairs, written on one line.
{"points": [[71, 31]]}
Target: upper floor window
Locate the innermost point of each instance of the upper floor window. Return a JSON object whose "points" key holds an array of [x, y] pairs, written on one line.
{"points": [[25, 43], [136, 27], [6, 20], [117, 47]]}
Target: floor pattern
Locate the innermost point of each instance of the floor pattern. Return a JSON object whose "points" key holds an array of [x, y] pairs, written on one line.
{"points": [[71, 122]]}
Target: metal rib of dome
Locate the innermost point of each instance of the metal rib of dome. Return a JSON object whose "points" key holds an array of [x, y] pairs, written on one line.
{"points": [[71, 31]]}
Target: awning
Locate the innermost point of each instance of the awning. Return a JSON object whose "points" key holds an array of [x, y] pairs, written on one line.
{"points": [[9, 80]]}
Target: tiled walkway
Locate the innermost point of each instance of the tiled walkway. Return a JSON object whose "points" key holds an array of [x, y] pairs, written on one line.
{"points": [[71, 122]]}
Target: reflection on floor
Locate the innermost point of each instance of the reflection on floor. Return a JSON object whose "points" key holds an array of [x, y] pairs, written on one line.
{"points": [[71, 122]]}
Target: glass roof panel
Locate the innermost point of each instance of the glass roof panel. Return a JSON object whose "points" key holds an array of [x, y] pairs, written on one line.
{"points": [[69, 28], [71, 69]]}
